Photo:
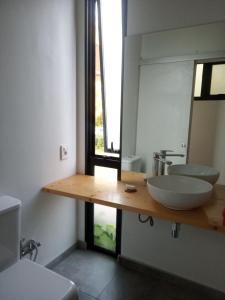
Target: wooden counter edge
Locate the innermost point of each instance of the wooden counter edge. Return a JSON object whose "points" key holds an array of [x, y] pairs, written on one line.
{"points": [[92, 199]]}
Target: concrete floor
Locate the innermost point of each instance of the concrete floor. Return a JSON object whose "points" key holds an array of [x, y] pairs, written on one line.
{"points": [[100, 277]]}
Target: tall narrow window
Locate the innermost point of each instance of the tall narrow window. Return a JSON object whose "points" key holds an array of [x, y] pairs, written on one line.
{"points": [[108, 74], [104, 61], [99, 92]]}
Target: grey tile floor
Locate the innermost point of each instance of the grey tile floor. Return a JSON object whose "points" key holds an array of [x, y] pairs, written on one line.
{"points": [[100, 277]]}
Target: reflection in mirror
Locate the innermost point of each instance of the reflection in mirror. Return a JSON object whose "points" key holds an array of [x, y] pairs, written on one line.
{"points": [[158, 101], [207, 143], [218, 79]]}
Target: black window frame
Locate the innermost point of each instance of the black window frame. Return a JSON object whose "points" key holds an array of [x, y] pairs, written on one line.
{"points": [[206, 83], [106, 149], [92, 159]]}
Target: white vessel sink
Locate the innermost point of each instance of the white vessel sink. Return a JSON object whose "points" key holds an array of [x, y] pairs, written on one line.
{"points": [[179, 192], [198, 171]]}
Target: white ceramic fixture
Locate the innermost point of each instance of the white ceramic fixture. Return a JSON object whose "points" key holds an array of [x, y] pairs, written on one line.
{"points": [[198, 171], [131, 163], [179, 192], [24, 279]]}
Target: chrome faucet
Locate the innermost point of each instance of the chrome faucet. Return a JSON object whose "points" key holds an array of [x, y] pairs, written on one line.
{"points": [[160, 161]]}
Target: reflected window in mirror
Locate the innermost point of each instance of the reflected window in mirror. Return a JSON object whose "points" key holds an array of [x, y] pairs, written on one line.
{"points": [[210, 81], [105, 25]]}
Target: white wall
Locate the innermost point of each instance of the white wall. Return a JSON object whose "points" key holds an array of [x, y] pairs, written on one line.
{"points": [[219, 150], [165, 95], [195, 255], [197, 40], [156, 15], [202, 132], [37, 114], [207, 132], [130, 93]]}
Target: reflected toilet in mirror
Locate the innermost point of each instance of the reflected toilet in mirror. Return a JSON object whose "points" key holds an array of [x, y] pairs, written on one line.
{"points": [[131, 163]]}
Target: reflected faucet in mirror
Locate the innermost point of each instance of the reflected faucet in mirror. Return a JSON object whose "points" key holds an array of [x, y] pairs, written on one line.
{"points": [[160, 161]]}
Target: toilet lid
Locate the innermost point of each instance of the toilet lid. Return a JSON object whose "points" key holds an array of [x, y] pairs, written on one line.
{"points": [[8, 203], [26, 280]]}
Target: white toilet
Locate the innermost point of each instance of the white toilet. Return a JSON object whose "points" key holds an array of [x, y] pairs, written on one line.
{"points": [[24, 279]]}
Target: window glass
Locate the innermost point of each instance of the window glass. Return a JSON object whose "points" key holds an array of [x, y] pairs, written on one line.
{"points": [[99, 133], [104, 216], [218, 80], [105, 227], [108, 74], [198, 80], [111, 25], [106, 173]]}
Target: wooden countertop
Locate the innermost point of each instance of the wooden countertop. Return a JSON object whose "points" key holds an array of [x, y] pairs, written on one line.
{"points": [[112, 193]]}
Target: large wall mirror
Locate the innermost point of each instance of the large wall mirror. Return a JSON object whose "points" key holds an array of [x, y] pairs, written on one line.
{"points": [[173, 97]]}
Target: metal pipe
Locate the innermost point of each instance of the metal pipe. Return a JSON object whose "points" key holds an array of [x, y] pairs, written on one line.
{"points": [[175, 230], [149, 218]]}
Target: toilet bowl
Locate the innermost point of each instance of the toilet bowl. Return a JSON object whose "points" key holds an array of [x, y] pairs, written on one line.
{"points": [[24, 279]]}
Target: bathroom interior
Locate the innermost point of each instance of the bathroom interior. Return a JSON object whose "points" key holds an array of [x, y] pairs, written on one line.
{"points": [[112, 173]]}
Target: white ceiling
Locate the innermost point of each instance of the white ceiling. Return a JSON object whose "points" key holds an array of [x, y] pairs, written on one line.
{"points": [[155, 15]]}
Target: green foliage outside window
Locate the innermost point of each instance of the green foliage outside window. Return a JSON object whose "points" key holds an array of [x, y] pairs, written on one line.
{"points": [[99, 144], [105, 236]]}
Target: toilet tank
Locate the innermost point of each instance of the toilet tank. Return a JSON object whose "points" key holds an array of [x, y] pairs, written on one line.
{"points": [[10, 210]]}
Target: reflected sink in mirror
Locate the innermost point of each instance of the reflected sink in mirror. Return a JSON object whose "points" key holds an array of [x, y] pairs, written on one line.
{"points": [[179, 192], [198, 171]]}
